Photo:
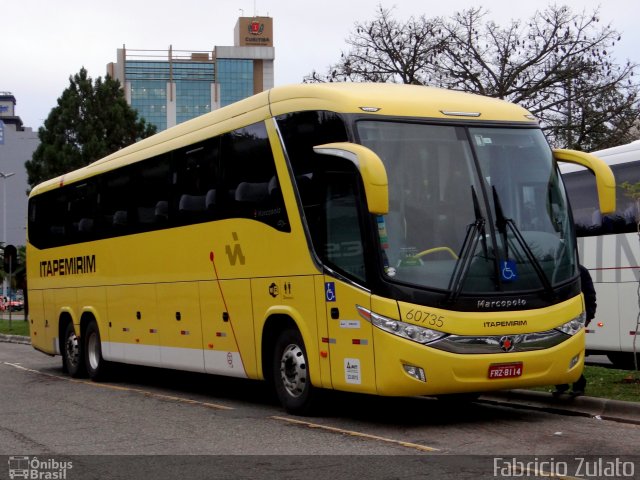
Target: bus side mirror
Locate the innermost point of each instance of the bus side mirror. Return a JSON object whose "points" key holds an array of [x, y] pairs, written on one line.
{"points": [[605, 181], [371, 168]]}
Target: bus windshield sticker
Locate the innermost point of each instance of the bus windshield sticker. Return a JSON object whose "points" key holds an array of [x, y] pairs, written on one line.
{"points": [[508, 271]]}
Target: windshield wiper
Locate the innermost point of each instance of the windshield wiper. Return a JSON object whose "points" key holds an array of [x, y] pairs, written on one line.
{"points": [[475, 231], [502, 223]]}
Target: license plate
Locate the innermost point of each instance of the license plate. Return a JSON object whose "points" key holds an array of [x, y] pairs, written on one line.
{"points": [[505, 370]]}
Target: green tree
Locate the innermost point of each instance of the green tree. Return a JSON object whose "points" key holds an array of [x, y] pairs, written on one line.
{"points": [[92, 119]]}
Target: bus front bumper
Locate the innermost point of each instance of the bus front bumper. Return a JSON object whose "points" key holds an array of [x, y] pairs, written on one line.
{"points": [[407, 368]]}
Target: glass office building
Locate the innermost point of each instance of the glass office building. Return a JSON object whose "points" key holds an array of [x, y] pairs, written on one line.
{"points": [[168, 87]]}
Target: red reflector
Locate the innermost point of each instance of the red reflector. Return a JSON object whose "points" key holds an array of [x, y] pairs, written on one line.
{"points": [[600, 324], [355, 341], [325, 340]]}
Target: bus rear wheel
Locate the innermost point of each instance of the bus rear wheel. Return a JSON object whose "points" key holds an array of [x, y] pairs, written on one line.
{"points": [[291, 375], [95, 364], [72, 353]]}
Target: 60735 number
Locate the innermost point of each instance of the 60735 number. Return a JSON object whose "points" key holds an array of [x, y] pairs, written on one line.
{"points": [[426, 318]]}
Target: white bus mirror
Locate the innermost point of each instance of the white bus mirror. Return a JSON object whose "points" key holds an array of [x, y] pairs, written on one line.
{"points": [[371, 168], [605, 181]]}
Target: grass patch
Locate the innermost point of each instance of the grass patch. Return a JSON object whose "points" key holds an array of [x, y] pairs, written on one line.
{"points": [[611, 383], [18, 327]]}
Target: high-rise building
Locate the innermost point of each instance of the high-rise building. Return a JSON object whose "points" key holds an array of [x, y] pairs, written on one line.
{"points": [[17, 144], [168, 87]]}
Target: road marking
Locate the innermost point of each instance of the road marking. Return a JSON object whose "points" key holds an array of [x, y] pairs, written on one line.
{"points": [[146, 393], [415, 446]]}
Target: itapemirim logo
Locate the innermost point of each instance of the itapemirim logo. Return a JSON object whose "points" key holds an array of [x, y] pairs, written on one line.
{"points": [[38, 469]]}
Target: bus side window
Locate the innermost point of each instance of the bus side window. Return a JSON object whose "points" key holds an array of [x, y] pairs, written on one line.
{"points": [[152, 192], [581, 188], [115, 198], [250, 180], [343, 245], [82, 199], [198, 175]]}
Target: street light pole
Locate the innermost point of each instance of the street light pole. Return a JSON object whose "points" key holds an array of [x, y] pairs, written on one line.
{"points": [[4, 177]]}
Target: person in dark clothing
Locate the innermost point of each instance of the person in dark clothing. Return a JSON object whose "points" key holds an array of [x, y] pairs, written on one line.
{"points": [[589, 293]]}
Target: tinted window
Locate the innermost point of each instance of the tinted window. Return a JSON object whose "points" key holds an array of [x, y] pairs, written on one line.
{"points": [[581, 188], [342, 237], [196, 178], [229, 176], [300, 132], [250, 186]]}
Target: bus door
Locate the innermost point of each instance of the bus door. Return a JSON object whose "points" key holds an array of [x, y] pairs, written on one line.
{"points": [[350, 339], [350, 336]]}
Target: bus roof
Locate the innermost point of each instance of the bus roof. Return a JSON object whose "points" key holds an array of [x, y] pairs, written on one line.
{"points": [[370, 98], [612, 156]]}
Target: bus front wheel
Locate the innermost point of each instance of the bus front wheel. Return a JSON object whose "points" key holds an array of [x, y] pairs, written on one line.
{"points": [[291, 375], [96, 365], [72, 353]]}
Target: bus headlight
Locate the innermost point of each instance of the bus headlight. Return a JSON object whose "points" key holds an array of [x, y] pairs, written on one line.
{"points": [[406, 330], [574, 325]]}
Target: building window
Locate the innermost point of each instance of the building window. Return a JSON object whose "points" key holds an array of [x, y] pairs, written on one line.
{"points": [[235, 78]]}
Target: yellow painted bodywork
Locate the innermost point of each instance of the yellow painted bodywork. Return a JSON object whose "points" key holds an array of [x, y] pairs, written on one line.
{"points": [[183, 297]]}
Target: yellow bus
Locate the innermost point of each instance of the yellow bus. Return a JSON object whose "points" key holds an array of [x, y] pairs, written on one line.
{"points": [[372, 238]]}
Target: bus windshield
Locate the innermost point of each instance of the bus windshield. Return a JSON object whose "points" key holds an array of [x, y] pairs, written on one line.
{"points": [[471, 210]]}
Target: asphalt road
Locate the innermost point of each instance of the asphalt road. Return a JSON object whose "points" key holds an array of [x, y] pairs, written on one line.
{"points": [[151, 423]]}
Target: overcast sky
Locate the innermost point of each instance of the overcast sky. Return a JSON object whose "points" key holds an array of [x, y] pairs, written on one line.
{"points": [[46, 41]]}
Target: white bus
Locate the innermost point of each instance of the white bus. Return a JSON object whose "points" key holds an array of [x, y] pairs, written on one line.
{"points": [[609, 247]]}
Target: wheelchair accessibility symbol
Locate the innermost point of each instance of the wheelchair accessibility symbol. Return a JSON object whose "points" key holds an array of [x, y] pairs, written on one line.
{"points": [[330, 291], [508, 271]]}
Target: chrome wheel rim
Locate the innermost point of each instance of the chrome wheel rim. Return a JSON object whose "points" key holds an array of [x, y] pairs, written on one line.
{"points": [[93, 351], [293, 370]]}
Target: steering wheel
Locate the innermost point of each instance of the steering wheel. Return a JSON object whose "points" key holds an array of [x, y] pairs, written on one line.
{"points": [[429, 251]]}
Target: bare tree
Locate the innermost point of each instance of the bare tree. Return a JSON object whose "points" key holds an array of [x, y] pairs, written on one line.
{"points": [[386, 50], [558, 64]]}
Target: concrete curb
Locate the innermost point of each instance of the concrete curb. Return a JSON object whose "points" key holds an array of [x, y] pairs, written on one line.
{"points": [[600, 408], [15, 339]]}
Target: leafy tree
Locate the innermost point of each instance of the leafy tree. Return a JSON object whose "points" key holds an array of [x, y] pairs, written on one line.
{"points": [[91, 120], [19, 277], [558, 64]]}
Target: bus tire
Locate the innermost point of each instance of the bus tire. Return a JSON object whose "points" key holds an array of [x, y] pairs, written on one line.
{"points": [[291, 375], [72, 353], [95, 364]]}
